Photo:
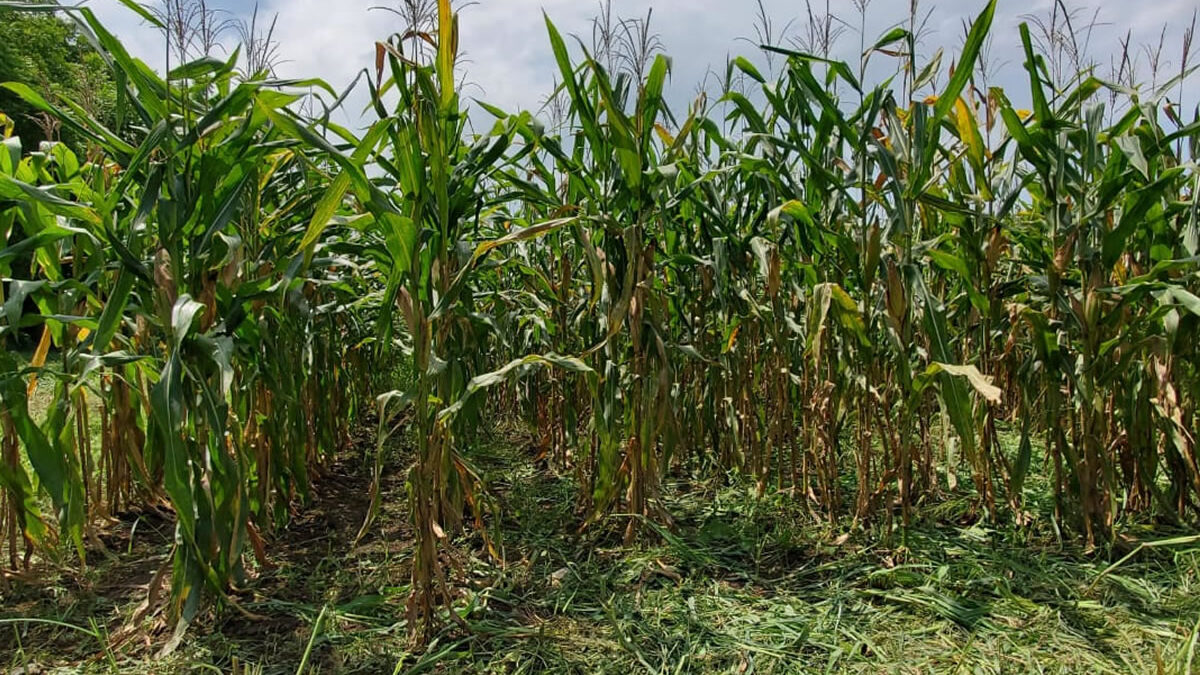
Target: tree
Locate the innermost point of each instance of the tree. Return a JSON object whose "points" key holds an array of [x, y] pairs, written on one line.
{"points": [[46, 52]]}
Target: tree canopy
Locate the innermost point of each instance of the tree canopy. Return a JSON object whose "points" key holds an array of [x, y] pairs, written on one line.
{"points": [[46, 52]]}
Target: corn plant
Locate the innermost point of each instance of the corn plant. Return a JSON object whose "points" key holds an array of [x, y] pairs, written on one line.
{"points": [[851, 295], [162, 277]]}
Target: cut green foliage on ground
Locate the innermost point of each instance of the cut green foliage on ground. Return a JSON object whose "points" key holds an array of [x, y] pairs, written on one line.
{"points": [[740, 585]]}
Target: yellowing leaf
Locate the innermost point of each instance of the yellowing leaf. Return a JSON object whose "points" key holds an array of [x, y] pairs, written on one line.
{"points": [[732, 339], [664, 135], [39, 358], [968, 131], [980, 382]]}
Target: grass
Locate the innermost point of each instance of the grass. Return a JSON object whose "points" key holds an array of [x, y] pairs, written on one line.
{"points": [[740, 585]]}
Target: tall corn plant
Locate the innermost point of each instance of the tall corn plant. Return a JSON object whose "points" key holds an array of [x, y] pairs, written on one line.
{"points": [[859, 194], [56, 465], [162, 271], [619, 180], [1110, 238], [824, 285], [436, 226]]}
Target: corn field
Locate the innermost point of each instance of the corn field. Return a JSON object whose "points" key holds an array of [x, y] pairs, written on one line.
{"points": [[856, 295]]}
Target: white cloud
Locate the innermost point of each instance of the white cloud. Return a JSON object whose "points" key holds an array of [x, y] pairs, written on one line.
{"points": [[510, 63]]}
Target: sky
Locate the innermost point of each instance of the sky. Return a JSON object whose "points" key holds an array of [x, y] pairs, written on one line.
{"points": [[508, 62]]}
